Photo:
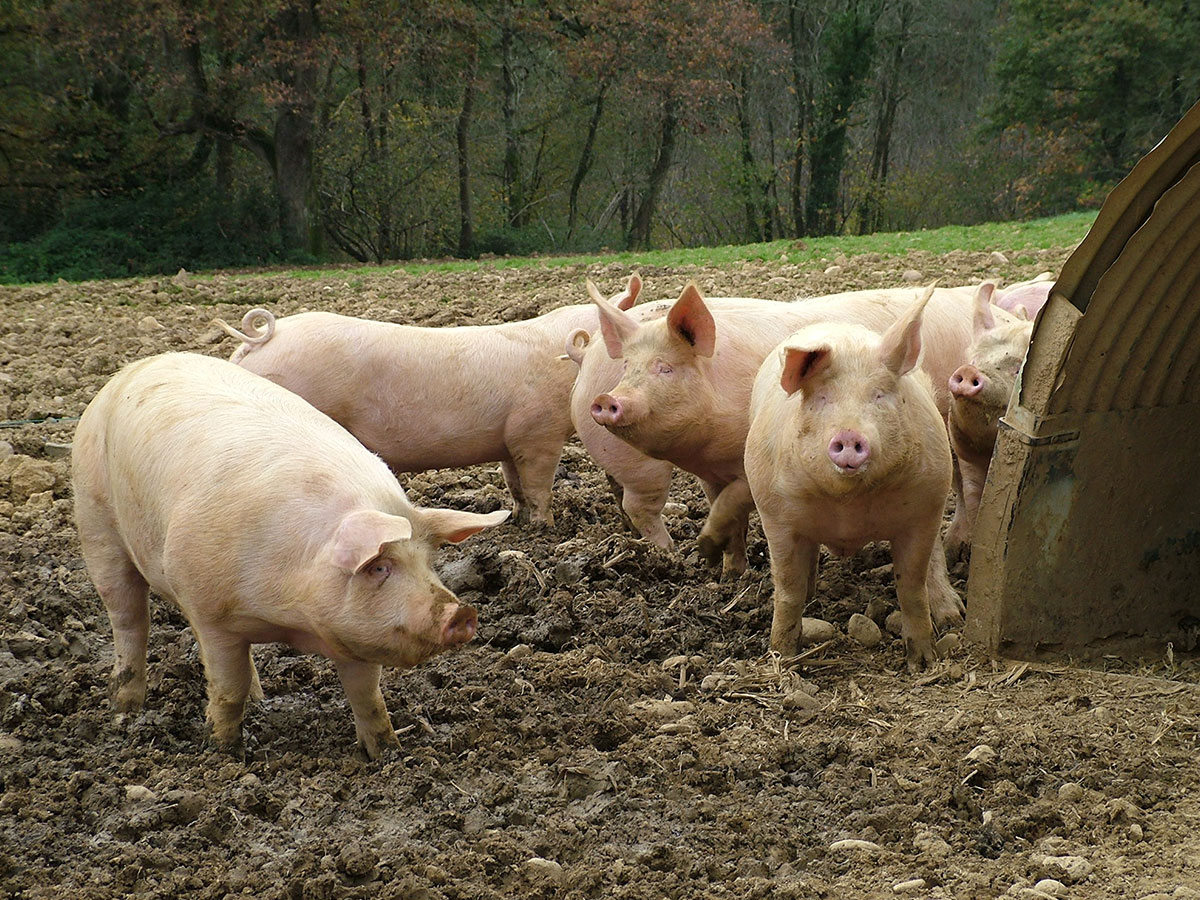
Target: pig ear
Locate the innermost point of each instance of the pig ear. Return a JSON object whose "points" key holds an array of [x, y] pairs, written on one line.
{"points": [[616, 325], [629, 296], [1020, 312], [452, 525], [984, 320], [800, 364], [691, 320], [900, 347], [361, 535]]}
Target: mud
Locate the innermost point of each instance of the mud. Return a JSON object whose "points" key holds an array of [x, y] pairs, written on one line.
{"points": [[617, 729]]}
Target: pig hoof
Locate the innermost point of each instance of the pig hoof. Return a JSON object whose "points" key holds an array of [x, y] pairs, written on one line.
{"points": [[234, 747], [127, 691], [950, 614], [710, 550], [732, 567], [919, 655], [379, 746], [125, 705]]}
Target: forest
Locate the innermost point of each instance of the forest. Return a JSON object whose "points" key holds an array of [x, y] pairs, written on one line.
{"points": [[151, 135]]}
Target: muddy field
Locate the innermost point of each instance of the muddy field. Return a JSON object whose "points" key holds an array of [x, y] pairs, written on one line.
{"points": [[616, 729]]}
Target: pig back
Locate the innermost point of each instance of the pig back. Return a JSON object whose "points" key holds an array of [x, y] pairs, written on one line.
{"points": [[429, 397], [946, 328], [196, 452]]}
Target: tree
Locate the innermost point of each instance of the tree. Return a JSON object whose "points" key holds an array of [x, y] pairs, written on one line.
{"points": [[888, 95], [683, 61], [847, 54], [237, 72], [389, 128], [1105, 79]]}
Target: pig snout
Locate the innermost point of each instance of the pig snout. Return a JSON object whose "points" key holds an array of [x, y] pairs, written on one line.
{"points": [[461, 625], [849, 450], [967, 381], [608, 410]]}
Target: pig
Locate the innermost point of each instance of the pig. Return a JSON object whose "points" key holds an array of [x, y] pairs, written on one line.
{"points": [[263, 520], [1025, 298], [846, 445], [426, 398], [640, 483], [980, 391], [685, 390]]}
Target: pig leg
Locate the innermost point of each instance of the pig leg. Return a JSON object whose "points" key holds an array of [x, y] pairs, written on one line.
{"points": [[230, 674], [126, 596], [639, 483], [643, 505], [794, 576], [371, 721], [958, 535], [256, 691], [725, 529], [945, 605], [970, 475], [910, 564], [513, 480], [618, 492], [535, 476]]}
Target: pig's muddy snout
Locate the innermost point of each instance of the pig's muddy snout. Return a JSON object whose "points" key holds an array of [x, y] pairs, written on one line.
{"points": [[461, 627], [849, 451], [608, 410], [967, 381]]}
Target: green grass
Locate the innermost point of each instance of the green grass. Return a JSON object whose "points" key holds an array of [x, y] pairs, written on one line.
{"points": [[1058, 231]]}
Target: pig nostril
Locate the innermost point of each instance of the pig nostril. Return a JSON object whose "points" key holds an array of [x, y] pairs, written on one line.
{"points": [[461, 627]]}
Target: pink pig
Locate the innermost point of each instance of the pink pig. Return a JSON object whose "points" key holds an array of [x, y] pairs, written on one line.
{"points": [[684, 395], [846, 445], [1025, 298], [981, 389], [263, 520], [639, 482], [431, 398]]}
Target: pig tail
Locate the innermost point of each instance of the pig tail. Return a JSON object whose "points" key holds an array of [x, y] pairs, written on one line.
{"points": [[252, 322], [577, 342]]}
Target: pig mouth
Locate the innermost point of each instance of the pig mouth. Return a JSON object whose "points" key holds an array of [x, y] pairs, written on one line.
{"points": [[856, 471], [404, 651], [414, 649]]}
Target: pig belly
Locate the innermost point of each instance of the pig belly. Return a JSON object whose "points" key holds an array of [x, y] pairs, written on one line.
{"points": [[848, 524], [435, 444]]}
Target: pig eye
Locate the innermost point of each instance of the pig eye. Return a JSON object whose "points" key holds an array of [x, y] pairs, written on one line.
{"points": [[662, 368], [378, 569]]}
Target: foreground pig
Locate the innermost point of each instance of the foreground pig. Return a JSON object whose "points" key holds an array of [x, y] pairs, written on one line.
{"points": [[431, 398], [846, 445], [685, 389], [980, 391], [263, 520]]}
